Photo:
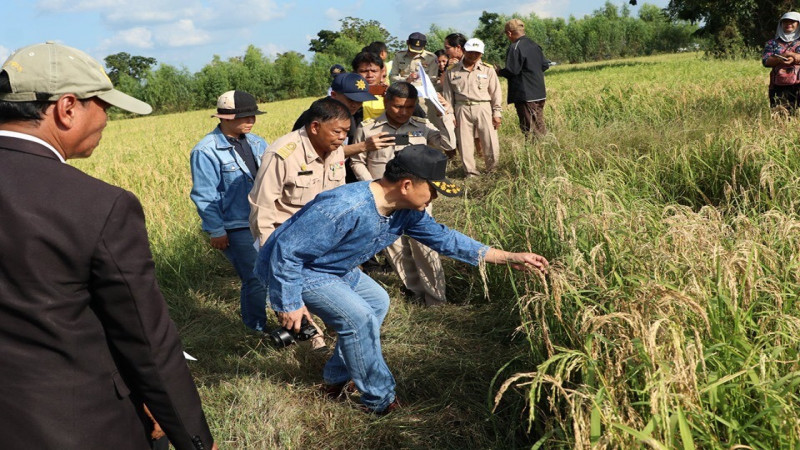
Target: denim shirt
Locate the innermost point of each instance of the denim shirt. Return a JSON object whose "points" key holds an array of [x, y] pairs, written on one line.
{"points": [[221, 182], [337, 231]]}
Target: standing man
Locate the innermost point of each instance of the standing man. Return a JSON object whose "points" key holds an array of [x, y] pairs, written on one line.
{"points": [[85, 336], [419, 267], [473, 89], [224, 166], [298, 166], [405, 67], [525, 66], [310, 264]]}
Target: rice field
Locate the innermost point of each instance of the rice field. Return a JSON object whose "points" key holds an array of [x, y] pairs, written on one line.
{"points": [[665, 197]]}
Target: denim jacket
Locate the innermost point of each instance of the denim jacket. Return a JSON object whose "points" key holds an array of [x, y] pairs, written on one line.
{"points": [[337, 231], [221, 182]]}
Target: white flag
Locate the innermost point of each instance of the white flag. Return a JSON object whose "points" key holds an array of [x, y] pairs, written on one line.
{"points": [[427, 90]]}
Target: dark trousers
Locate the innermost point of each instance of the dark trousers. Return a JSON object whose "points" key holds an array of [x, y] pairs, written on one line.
{"points": [[531, 117], [786, 96]]}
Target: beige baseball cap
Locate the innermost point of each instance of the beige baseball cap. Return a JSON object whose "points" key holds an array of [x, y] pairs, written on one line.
{"points": [[45, 72]]}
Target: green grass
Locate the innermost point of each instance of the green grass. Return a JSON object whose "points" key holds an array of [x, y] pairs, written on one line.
{"points": [[665, 197]]}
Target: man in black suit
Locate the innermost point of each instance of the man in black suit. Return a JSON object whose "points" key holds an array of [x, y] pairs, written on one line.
{"points": [[85, 337]]}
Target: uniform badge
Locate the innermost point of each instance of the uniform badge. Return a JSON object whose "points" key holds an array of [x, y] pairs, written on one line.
{"points": [[360, 85], [286, 150]]}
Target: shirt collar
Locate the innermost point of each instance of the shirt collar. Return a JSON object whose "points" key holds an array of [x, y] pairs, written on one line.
{"points": [[28, 137]]}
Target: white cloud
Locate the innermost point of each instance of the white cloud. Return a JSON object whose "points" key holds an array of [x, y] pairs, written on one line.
{"points": [[56, 6], [545, 8], [333, 14], [182, 33], [140, 37], [272, 50]]}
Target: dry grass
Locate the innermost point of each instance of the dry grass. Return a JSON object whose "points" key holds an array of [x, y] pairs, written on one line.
{"points": [[665, 196]]}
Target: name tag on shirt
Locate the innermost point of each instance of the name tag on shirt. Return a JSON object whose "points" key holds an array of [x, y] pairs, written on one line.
{"points": [[481, 75], [305, 172]]}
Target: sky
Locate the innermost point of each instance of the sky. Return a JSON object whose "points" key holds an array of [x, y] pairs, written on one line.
{"points": [[188, 33]]}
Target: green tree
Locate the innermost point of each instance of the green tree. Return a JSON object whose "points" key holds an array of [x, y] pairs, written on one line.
{"points": [[490, 31], [135, 67], [170, 89], [735, 26], [354, 34]]}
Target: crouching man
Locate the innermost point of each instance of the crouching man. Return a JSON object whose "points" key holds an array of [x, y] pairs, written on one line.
{"points": [[310, 264]]}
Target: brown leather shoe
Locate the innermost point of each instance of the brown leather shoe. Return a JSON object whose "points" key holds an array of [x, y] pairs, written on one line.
{"points": [[338, 391]]}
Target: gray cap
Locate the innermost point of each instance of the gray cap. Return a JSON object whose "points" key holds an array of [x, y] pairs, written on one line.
{"points": [[48, 71]]}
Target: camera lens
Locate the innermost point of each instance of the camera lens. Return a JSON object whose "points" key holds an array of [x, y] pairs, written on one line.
{"points": [[281, 338]]}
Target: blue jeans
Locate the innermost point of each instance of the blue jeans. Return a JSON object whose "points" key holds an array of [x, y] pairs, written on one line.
{"points": [[355, 306], [253, 299]]}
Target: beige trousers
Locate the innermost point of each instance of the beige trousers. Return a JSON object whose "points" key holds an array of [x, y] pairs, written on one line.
{"points": [[419, 267], [476, 120]]}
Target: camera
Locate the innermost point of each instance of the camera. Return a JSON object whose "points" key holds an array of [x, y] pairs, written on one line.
{"points": [[284, 338]]}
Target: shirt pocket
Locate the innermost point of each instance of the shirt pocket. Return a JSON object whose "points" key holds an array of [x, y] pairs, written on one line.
{"points": [[231, 173], [302, 190], [336, 173]]}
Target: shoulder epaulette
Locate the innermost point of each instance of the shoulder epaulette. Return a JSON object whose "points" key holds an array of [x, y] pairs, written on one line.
{"points": [[488, 65], [367, 121], [419, 119], [286, 150]]}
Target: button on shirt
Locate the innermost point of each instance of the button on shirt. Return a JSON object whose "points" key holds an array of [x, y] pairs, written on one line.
{"points": [[339, 230], [407, 62], [241, 147], [370, 165], [462, 86], [291, 175]]}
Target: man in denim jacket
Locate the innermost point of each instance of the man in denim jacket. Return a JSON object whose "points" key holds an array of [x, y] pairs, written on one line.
{"points": [[310, 263], [224, 165]]}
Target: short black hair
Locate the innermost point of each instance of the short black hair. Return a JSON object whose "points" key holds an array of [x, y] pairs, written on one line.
{"points": [[455, 40], [19, 111], [326, 109], [394, 172], [439, 53], [366, 57], [376, 47], [401, 89]]}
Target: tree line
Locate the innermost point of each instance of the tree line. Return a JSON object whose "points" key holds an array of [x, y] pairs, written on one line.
{"points": [[609, 32]]}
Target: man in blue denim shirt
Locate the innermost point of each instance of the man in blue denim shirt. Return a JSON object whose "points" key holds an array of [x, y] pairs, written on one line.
{"points": [[310, 263], [224, 164]]}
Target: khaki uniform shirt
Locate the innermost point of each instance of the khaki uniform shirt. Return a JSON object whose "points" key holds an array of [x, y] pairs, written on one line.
{"points": [[291, 175], [462, 87], [406, 62], [370, 165]]}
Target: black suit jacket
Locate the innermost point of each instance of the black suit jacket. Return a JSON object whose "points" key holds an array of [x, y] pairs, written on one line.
{"points": [[85, 336]]}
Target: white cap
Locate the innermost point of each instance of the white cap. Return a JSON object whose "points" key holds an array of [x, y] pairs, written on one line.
{"points": [[474, 45]]}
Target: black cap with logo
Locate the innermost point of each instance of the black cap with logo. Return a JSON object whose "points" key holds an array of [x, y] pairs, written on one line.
{"points": [[430, 165]]}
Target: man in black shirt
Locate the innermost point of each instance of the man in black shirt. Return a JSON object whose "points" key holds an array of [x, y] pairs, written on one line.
{"points": [[525, 66]]}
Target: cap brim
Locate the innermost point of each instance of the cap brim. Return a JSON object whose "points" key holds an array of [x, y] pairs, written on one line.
{"points": [[361, 97], [411, 48], [238, 116], [125, 101], [447, 188]]}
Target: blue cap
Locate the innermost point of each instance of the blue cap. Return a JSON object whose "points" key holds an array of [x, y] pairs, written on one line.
{"points": [[352, 85]]}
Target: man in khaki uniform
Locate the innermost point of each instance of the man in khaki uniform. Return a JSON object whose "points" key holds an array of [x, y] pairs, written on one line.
{"points": [[419, 267], [298, 166], [405, 66], [473, 89]]}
